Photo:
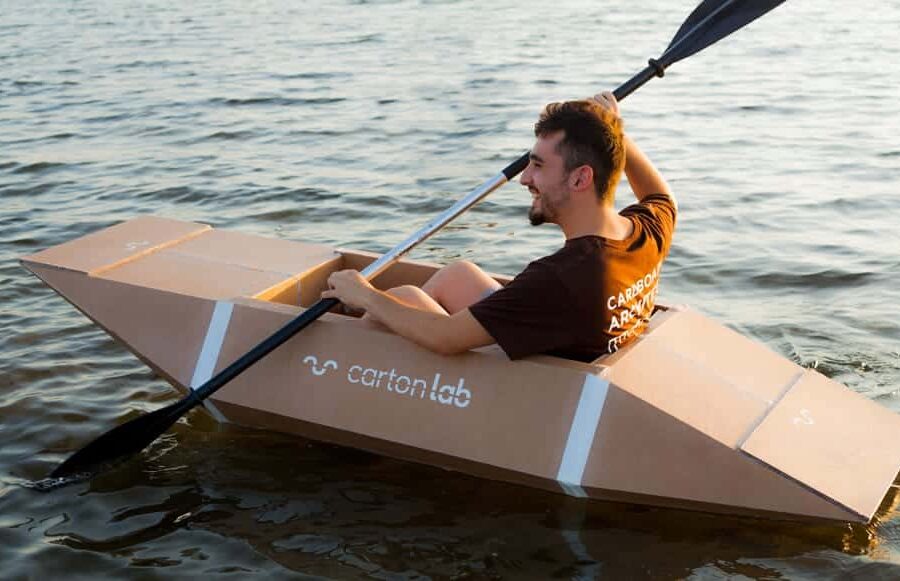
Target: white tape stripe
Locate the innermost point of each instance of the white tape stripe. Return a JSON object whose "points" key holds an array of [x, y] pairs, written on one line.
{"points": [[209, 352], [581, 434], [573, 490], [212, 344]]}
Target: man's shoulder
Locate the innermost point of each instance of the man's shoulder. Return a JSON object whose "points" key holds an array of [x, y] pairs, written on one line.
{"points": [[653, 203], [575, 252], [657, 215], [547, 266], [577, 268]]}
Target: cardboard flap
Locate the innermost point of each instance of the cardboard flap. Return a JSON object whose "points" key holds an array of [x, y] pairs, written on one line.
{"points": [[164, 329], [193, 276], [834, 441], [225, 265], [118, 244], [703, 374], [747, 365], [250, 252]]}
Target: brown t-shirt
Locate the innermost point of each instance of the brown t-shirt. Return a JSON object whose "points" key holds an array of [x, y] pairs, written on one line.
{"points": [[591, 297]]}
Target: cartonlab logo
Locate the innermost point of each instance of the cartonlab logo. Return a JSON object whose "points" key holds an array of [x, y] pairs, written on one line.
{"points": [[430, 388]]}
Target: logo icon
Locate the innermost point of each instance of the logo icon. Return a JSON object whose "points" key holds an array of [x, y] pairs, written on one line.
{"points": [[136, 245], [313, 362], [805, 418]]}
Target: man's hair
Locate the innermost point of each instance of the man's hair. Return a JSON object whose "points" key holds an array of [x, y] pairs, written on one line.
{"points": [[591, 136]]}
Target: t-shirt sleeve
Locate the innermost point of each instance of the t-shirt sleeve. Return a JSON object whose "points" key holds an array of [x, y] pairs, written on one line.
{"points": [[658, 214], [525, 316]]}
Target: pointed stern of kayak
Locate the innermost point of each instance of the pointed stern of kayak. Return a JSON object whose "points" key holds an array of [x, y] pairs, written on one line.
{"points": [[706, 415]]}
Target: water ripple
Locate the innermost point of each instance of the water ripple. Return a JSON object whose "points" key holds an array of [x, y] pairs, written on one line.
{"points": [[40, 167], [814, 280], [275, 101]]}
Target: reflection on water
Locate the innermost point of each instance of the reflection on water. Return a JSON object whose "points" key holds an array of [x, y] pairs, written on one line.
{"points": [[333, 511]]}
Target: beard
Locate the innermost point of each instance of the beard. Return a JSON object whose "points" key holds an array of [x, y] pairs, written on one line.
{"points": [[539, 210], [535, 216], [546, 213]]}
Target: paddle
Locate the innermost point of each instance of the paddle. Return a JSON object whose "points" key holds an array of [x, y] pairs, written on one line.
{"points": [[709, 22]]}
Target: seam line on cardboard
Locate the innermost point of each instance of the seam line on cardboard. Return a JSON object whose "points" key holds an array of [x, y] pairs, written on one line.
{"points": [[789, 386], [581, 434], [209, 352], [148, 251], [235, 265], [746, 391]]}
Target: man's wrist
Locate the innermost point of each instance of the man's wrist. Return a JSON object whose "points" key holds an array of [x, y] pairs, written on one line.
{"points": [[371, 300]]}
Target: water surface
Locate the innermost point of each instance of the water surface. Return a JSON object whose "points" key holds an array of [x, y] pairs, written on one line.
{"points": [[352, 123]]}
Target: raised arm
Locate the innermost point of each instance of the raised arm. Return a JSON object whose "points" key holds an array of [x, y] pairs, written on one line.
{"points": [[643, 177]]}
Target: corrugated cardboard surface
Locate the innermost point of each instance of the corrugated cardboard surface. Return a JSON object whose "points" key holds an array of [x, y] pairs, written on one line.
{"points": [[832, 440], [516, 417], [190, 275], [118, 243], [250, 252], [703, 375], [747, 365], [640, 449], [164, 329]]}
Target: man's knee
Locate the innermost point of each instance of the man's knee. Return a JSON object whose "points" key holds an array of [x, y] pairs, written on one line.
{"points": [[462, 268], [406, 292], [416, 297], [460, 272], [460, 285]]}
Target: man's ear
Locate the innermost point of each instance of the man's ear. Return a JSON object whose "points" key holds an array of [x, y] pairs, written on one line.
{"points": [[581, 178]]}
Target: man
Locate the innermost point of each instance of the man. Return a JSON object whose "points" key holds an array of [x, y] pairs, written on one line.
{"points": [[591, 297]]}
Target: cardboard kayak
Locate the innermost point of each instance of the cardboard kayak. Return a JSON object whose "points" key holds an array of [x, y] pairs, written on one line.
{"points": [[691, 415]]}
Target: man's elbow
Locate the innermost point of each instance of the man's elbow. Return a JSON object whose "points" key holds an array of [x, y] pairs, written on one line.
{"points": [[668, 192], [444, 345], [447, 348], [453, 336]]}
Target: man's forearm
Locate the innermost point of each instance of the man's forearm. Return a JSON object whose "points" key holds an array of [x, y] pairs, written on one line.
{"points": [[422, 327], [641, 173], [435, 331]]}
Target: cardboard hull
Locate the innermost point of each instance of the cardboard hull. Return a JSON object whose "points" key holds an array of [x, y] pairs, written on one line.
{"points": [[692, 415]]}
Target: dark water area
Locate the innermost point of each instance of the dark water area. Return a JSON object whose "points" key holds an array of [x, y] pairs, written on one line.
{"points": [[352, 123]]}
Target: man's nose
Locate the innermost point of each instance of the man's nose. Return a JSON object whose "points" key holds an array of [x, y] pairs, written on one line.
{"points": [[525, 178]]}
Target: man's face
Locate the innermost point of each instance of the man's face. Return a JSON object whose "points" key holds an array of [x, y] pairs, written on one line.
{"points": [[546, 178]]}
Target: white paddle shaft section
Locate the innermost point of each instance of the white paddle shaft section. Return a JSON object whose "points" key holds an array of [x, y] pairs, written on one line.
{"points": [[209, 352], [436, 224], [581, 434]]}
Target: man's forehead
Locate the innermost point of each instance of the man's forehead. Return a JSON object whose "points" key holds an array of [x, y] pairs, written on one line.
{"points": [[546, 145]]}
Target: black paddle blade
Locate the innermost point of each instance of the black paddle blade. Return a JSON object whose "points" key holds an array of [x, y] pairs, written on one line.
{"points": [[122, 441], [712, 21], [132, 437]]}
